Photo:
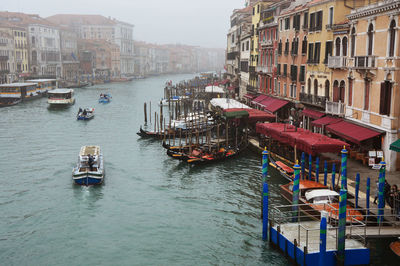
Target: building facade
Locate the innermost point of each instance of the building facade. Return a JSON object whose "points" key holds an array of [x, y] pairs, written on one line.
{"points": [[69, 55]]}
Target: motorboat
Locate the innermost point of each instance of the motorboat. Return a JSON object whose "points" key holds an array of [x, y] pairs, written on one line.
{"points": [[90, 167], [314, 197], [105, 98], [61, 97], [85, 114]]}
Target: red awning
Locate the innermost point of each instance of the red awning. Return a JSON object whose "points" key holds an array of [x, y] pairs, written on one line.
{"points": [[230, 88], [254, 114], [326, 120], [275, 104], [312, 113], [249, 96], [303, 139], [352, 132], [259, 99], [224, 81]]}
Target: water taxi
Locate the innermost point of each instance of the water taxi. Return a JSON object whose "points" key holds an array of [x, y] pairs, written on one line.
{"points": [[85, 114], [61, 97], [90, 167], [13, 93], [105, 98], [316, 197]]}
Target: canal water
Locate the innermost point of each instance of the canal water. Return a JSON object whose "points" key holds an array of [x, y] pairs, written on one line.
{"points": [[151, 210]]}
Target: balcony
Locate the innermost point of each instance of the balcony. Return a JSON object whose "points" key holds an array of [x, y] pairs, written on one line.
{"points": [[312, 99], [264, 69], [3, 58], [334, 108], [337, 62], [232, 55], [266, 43], [252, 69], [365, 62]]}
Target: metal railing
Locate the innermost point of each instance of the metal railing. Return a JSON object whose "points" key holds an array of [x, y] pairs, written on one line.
{"points": [[264, 69]]}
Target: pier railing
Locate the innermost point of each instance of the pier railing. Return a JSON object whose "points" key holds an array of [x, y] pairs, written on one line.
{"points": [[307, 235]]}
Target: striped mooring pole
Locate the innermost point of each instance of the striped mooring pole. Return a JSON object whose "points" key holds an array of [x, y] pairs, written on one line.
{"points": [[381, 196], [333, 175], [357, 188], [303, 166], [368, 193], [322, 238], [265, 195], [342, 226], [325, 172], [309, 167], [317, 170], [343, 173], [296, 190]]}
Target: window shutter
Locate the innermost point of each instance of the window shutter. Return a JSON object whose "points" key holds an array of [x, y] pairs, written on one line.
{"points": [[382, 100]]}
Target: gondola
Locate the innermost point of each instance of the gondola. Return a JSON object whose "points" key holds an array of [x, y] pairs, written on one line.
{"points": [[285, 171], [149, 134]]}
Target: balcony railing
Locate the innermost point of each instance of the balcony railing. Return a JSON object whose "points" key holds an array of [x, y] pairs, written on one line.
{"points": [[312, 99], [252, 69], [264, 69], [337, 62], [365, 62], [334, 108], [266, 43], [232, 55]]}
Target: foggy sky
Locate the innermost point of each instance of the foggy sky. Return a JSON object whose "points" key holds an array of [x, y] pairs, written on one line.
{"points": [[194, 22]]}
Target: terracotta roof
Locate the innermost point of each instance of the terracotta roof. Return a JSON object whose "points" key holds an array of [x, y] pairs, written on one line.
{"points": [[19, 19], [71, 19]]}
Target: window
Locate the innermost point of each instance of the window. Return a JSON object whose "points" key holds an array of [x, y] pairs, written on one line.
{"points": [[267, 35], [258, 8], [284, 70], [392, 37], [253, 10], [279, 88], [247, 45], [350, 98], [278, 69], [344, 46], [280, 47], [295, 46], [293, 72], [302, 73], [287, 23], [330, 15], [242, 47], [385, 101], [337, 47], [305, 20], [296, 22], [233, 38], [275, 85], [366, 93], [317, 52], [287, 47], [284, 90], [318, 21], [370, 38], [310, 52], [328, 51], [353, 41], [304, 46], [280, 24], [312, 21]]}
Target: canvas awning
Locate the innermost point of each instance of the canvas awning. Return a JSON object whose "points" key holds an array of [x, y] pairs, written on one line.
{"points": [[236, 113], [275, 104], [249, 96], [314, 114], [225, 103], [259, 99], [254, 115], [305, 140], [214, 89], [352, 132], [395, 146], [324, 121]]}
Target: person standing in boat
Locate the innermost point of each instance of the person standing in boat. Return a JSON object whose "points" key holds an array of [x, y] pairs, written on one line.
{"points": [[90, 162]]}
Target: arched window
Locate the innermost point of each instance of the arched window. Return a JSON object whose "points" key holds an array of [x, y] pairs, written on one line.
{"points": [[370, 38], [304, 46], [353, 41], [309, 86], [315, 87], [335, 91], [392, 38], [342, 88], [327, 89], [344, 46], [337, 47]]}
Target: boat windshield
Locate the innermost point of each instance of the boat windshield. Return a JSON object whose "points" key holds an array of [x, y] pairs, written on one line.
{"points": [[59, 95], [324, 199]]}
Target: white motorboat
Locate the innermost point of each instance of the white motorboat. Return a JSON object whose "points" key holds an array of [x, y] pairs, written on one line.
{"points": [[90, 168]]}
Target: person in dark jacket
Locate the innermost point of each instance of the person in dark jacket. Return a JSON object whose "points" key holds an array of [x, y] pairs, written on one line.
{"points": [[90, 162]]}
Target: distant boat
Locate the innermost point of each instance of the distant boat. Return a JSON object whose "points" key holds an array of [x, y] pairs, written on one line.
{"points": [[61, 97], [85, 114], [105, 98], [90, 167], [9, 102]]}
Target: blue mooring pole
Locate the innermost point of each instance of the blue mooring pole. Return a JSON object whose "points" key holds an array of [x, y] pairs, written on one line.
{"points": [[343, 172], [296, 191], [325, 172], [303, 166], [322, 238], [342, 226], [309, 167], [381, 199], [357, 188], [368, 193], [333, 175], [317, 170], [265, 194]]}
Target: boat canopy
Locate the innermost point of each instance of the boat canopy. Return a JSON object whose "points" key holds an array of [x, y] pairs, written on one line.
{"points": [[61, 91], [320, 193], [302, 139], [236, 113], [214, 89], [226, 103], [254, 114], [92, 150]]}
